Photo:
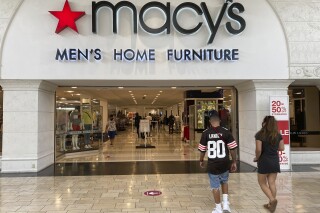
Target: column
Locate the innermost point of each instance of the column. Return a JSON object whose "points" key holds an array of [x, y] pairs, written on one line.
{"points": [[28, 125], [253, 104]]}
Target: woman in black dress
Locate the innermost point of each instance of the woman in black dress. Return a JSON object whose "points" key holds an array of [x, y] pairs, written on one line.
{"points": [[268, 143]]}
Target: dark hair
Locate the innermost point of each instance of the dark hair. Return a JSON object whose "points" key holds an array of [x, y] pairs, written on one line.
{"points": [[269, 130]]}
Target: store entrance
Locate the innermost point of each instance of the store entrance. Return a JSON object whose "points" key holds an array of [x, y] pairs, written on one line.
{"points": [[170, 119]]}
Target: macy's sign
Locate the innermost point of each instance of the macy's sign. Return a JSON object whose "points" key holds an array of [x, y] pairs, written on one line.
{"points": [[67, 17]]}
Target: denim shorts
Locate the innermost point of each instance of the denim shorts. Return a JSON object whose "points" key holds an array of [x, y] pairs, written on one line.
{"points": [[217, 180], [112, 134]]}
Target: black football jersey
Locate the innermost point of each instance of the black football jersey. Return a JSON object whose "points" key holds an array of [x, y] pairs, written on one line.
{"points": [[217, 141]]}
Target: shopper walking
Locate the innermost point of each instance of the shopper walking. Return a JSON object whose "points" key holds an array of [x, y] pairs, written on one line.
{"points": [[171, 123], [111, 128], [137, 119], [268, 143], [219, 142]]}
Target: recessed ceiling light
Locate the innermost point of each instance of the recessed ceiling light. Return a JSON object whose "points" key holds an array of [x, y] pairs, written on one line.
{"points": [[173, 87], [69, 91], [160, 91], [158, 94], [120, 87], [63, 98], [78, 94], [218, 87], [130, 91], [74, 87], [144, 95]]}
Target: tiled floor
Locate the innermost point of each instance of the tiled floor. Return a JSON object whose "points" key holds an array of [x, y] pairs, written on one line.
{"points": [[98, 183], [185, 193], [169, 147]]}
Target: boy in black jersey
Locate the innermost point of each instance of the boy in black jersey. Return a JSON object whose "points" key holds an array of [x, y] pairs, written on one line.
{"points": [[219, 142]]}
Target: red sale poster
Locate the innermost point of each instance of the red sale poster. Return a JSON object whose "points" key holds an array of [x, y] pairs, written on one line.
{"points": [[279, 108]]}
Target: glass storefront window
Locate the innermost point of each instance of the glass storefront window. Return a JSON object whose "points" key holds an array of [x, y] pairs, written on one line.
{"points": [[79, 126], [304, 118], [198, 117]]}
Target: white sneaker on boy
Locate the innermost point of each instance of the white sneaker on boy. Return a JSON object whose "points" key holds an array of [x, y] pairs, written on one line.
{"points": [[226, 207]]}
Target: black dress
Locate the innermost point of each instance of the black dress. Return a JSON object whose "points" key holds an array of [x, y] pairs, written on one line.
{"points": [[269, 158]]}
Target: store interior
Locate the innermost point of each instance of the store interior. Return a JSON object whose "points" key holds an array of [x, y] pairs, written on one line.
{"points": [[188, 105]]}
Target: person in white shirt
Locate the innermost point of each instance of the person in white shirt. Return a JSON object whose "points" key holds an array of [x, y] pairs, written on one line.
{"points": [[111, 128], [149, 117]]}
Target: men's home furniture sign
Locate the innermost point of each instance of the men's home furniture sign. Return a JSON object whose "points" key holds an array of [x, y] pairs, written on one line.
{"points": [[279, 108]]}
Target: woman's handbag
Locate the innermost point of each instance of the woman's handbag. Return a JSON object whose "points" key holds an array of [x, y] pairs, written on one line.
{"points": [[105, 136]]}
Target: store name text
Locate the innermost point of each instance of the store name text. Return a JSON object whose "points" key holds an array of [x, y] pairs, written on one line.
{"points": [[231, 10]]}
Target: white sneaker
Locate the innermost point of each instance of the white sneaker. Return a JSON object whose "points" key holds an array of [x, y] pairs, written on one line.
{"points": [[86, 147], [90, 146], [216, 210], [226, 207]]}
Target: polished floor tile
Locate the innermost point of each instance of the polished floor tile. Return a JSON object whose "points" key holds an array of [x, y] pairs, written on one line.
{"points": [[297, 192], [115, 180], [168, 147]]}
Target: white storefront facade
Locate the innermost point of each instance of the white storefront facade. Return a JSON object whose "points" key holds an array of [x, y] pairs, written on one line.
{"points": [[260, 47]]}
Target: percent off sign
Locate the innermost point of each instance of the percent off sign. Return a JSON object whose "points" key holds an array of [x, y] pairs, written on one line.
{"points": [[278, 107]]}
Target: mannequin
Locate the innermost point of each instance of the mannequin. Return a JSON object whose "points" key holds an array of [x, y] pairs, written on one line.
{"points": [[75, 121], [177, 122], [62, 126], [94, 119], [87, 121], [224, 117]]}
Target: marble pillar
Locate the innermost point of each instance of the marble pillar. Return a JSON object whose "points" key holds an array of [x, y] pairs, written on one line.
{"points": [[253, 103], [28, 125]]}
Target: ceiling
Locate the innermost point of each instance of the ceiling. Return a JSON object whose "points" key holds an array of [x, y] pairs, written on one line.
{"points": [[167, 96]]}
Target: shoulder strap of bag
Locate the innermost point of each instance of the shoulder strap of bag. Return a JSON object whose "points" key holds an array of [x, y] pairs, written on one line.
{"points": [[219, 134]]}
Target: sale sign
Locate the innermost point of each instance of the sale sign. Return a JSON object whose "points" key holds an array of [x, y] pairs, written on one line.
{"points": [[279, 108]]}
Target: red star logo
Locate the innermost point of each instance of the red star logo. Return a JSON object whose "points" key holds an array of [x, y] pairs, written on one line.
{"points": [[67, 18]]}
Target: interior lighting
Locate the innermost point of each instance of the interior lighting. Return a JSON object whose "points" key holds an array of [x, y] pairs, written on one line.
{"points": [[69, 91], [160, 91], [173, 87], [158, 94], [63, 99], [78, 94], [120, 87], [218, 87], [74, 87], [130, 91], [144, 95]]}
